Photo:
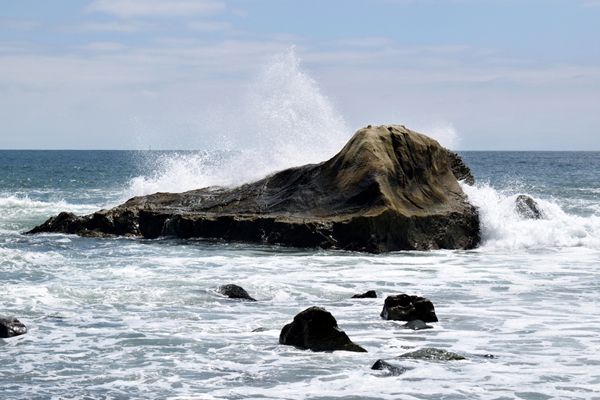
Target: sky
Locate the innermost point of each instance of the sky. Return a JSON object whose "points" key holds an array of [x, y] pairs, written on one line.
{"points": [[176, 74]]}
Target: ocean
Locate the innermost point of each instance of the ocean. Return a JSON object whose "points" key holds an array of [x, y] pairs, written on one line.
{"points": [[123, 318]]}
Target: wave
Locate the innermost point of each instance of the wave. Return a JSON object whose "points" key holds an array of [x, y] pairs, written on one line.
{"points": [[502, 227], [284, 121]]}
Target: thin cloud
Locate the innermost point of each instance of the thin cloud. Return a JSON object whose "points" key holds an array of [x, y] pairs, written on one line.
{"points": [[156, 8]]}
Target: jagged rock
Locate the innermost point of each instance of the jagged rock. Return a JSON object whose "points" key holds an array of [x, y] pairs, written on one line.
{"points": [[403, 307], [10, 327], [393, 370], [316, 329], [459, 169], [527, 207], [370, 294], [235, 292], [388, 189], [433, 354], [416, 325]]}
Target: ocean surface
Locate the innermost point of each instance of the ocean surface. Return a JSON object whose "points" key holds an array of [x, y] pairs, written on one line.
{"points": [[141, 319]]}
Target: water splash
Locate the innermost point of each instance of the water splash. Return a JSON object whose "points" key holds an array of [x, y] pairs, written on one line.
{"points": [[284, 120], [503, 228]]}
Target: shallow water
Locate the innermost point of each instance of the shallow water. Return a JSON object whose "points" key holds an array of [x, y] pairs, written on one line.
{"points": [[132, 318]]}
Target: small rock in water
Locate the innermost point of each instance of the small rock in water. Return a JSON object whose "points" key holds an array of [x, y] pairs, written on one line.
{"points": [[316, 329], [381, 365], [235, 292], [416, 325], [10, 327], [433, 354], [528, 208], [403, 307], [371, 294], [260, 329]]}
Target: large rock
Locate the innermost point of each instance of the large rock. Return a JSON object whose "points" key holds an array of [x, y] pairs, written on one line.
{"points": [[404, 307], [316, 329], [388, 189], [10, 327]]}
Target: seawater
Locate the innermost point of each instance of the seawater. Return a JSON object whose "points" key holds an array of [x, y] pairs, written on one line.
{"points": [[133, 318]]}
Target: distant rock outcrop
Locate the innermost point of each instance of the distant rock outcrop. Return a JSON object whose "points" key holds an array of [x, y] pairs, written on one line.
{"points": [[369, 294], [388, 189], [316, 329]]}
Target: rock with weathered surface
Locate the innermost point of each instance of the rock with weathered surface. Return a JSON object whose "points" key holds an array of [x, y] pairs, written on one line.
{"points": [[393, 370], [459, 169], [433, 354], [388, 189], [235, 292], [528, 208], [404, 307], [316, 329], [370, 294], [10, 327]]}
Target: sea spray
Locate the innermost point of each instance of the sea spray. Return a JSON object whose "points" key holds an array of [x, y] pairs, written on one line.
{"points": [[503, 228], [284, 120]]}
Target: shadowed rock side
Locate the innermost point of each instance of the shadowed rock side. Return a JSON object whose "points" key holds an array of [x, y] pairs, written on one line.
{"points": [[388, 189]]}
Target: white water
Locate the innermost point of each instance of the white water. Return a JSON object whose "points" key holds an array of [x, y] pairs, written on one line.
{"points": [[285, 121]]}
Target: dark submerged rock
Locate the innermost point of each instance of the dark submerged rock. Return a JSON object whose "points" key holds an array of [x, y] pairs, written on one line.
{"points": [[433, 354], [10, 327], [259, 329], [235, 292], [527, 207], [388, 189], [403, 307], [382, 365], [416, 325], [316, 329], [371, 294]]}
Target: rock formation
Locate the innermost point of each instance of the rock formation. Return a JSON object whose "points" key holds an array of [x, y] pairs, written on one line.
{"points": [[528, 208], [403, 307], [388, 189], [10, 327], [433, 354], [316, 329], [369, 294], [235, 292]]}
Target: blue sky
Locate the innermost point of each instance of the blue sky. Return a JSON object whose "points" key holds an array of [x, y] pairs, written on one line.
{"points": [[522, 75]]}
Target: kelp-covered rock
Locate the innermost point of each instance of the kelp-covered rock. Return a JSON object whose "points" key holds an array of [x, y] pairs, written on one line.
{"points": [[388, 189], [10, 327], [316, 329], [404, 307]]}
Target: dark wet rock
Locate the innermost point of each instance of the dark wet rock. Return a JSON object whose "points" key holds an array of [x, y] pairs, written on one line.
{"points": [[388, 189], [416, 325], [371, 294], [527, 207], [403, 307], [10, 327], [393, 370], [235, 292], [260, 329], [316, 329], [433, 354], [459, 169]]}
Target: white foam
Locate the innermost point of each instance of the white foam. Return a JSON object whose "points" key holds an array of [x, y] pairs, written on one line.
{"points": [[503, 227]]}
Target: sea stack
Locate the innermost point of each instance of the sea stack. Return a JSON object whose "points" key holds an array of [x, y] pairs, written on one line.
{"points": [[388, 189]]}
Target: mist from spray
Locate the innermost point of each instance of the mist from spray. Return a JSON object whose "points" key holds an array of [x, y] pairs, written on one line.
{"points": [[284, 120]]}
